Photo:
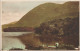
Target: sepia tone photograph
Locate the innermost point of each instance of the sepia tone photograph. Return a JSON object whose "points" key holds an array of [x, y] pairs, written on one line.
{"points": [[40, 25]]}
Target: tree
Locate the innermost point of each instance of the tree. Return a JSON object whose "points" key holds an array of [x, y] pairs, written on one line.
{"points": [[71, 32]]}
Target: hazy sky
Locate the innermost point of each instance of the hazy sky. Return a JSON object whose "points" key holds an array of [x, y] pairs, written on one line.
{"points": [[13, 11]]}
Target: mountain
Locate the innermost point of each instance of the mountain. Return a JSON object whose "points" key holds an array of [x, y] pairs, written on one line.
{"points": [[46, 12]]}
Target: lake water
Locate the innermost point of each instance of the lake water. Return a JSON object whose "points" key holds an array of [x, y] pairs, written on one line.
{"points": [[12, 42]]}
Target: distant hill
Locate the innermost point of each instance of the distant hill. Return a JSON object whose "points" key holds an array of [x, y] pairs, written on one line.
{"points": [[46, 12]]}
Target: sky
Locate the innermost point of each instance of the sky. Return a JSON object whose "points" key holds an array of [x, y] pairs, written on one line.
{"points": [[14, 10]]}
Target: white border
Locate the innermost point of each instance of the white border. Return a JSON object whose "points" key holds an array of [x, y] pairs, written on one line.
{"points": [[30, 0], [0, 26]]}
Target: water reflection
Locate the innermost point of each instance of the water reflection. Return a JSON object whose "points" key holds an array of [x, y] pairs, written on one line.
{"points": [[12, 42]]}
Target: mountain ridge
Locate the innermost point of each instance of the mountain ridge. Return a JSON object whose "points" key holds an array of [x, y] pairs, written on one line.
{"points": [[46, 12]]}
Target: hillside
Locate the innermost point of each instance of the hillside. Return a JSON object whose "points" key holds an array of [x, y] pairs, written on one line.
{"points": [[46, 12]]}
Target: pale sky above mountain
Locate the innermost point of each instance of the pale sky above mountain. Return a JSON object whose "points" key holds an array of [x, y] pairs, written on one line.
{"points": [[13, 11]]}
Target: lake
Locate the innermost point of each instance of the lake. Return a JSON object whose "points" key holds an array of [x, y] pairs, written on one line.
{"points": [[12, 42]]}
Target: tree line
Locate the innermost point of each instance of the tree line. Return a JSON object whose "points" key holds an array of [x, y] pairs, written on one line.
{"points": [[64, 31]]}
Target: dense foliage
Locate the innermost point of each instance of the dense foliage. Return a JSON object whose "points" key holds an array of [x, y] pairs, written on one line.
{"points": [[64, 31]]}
